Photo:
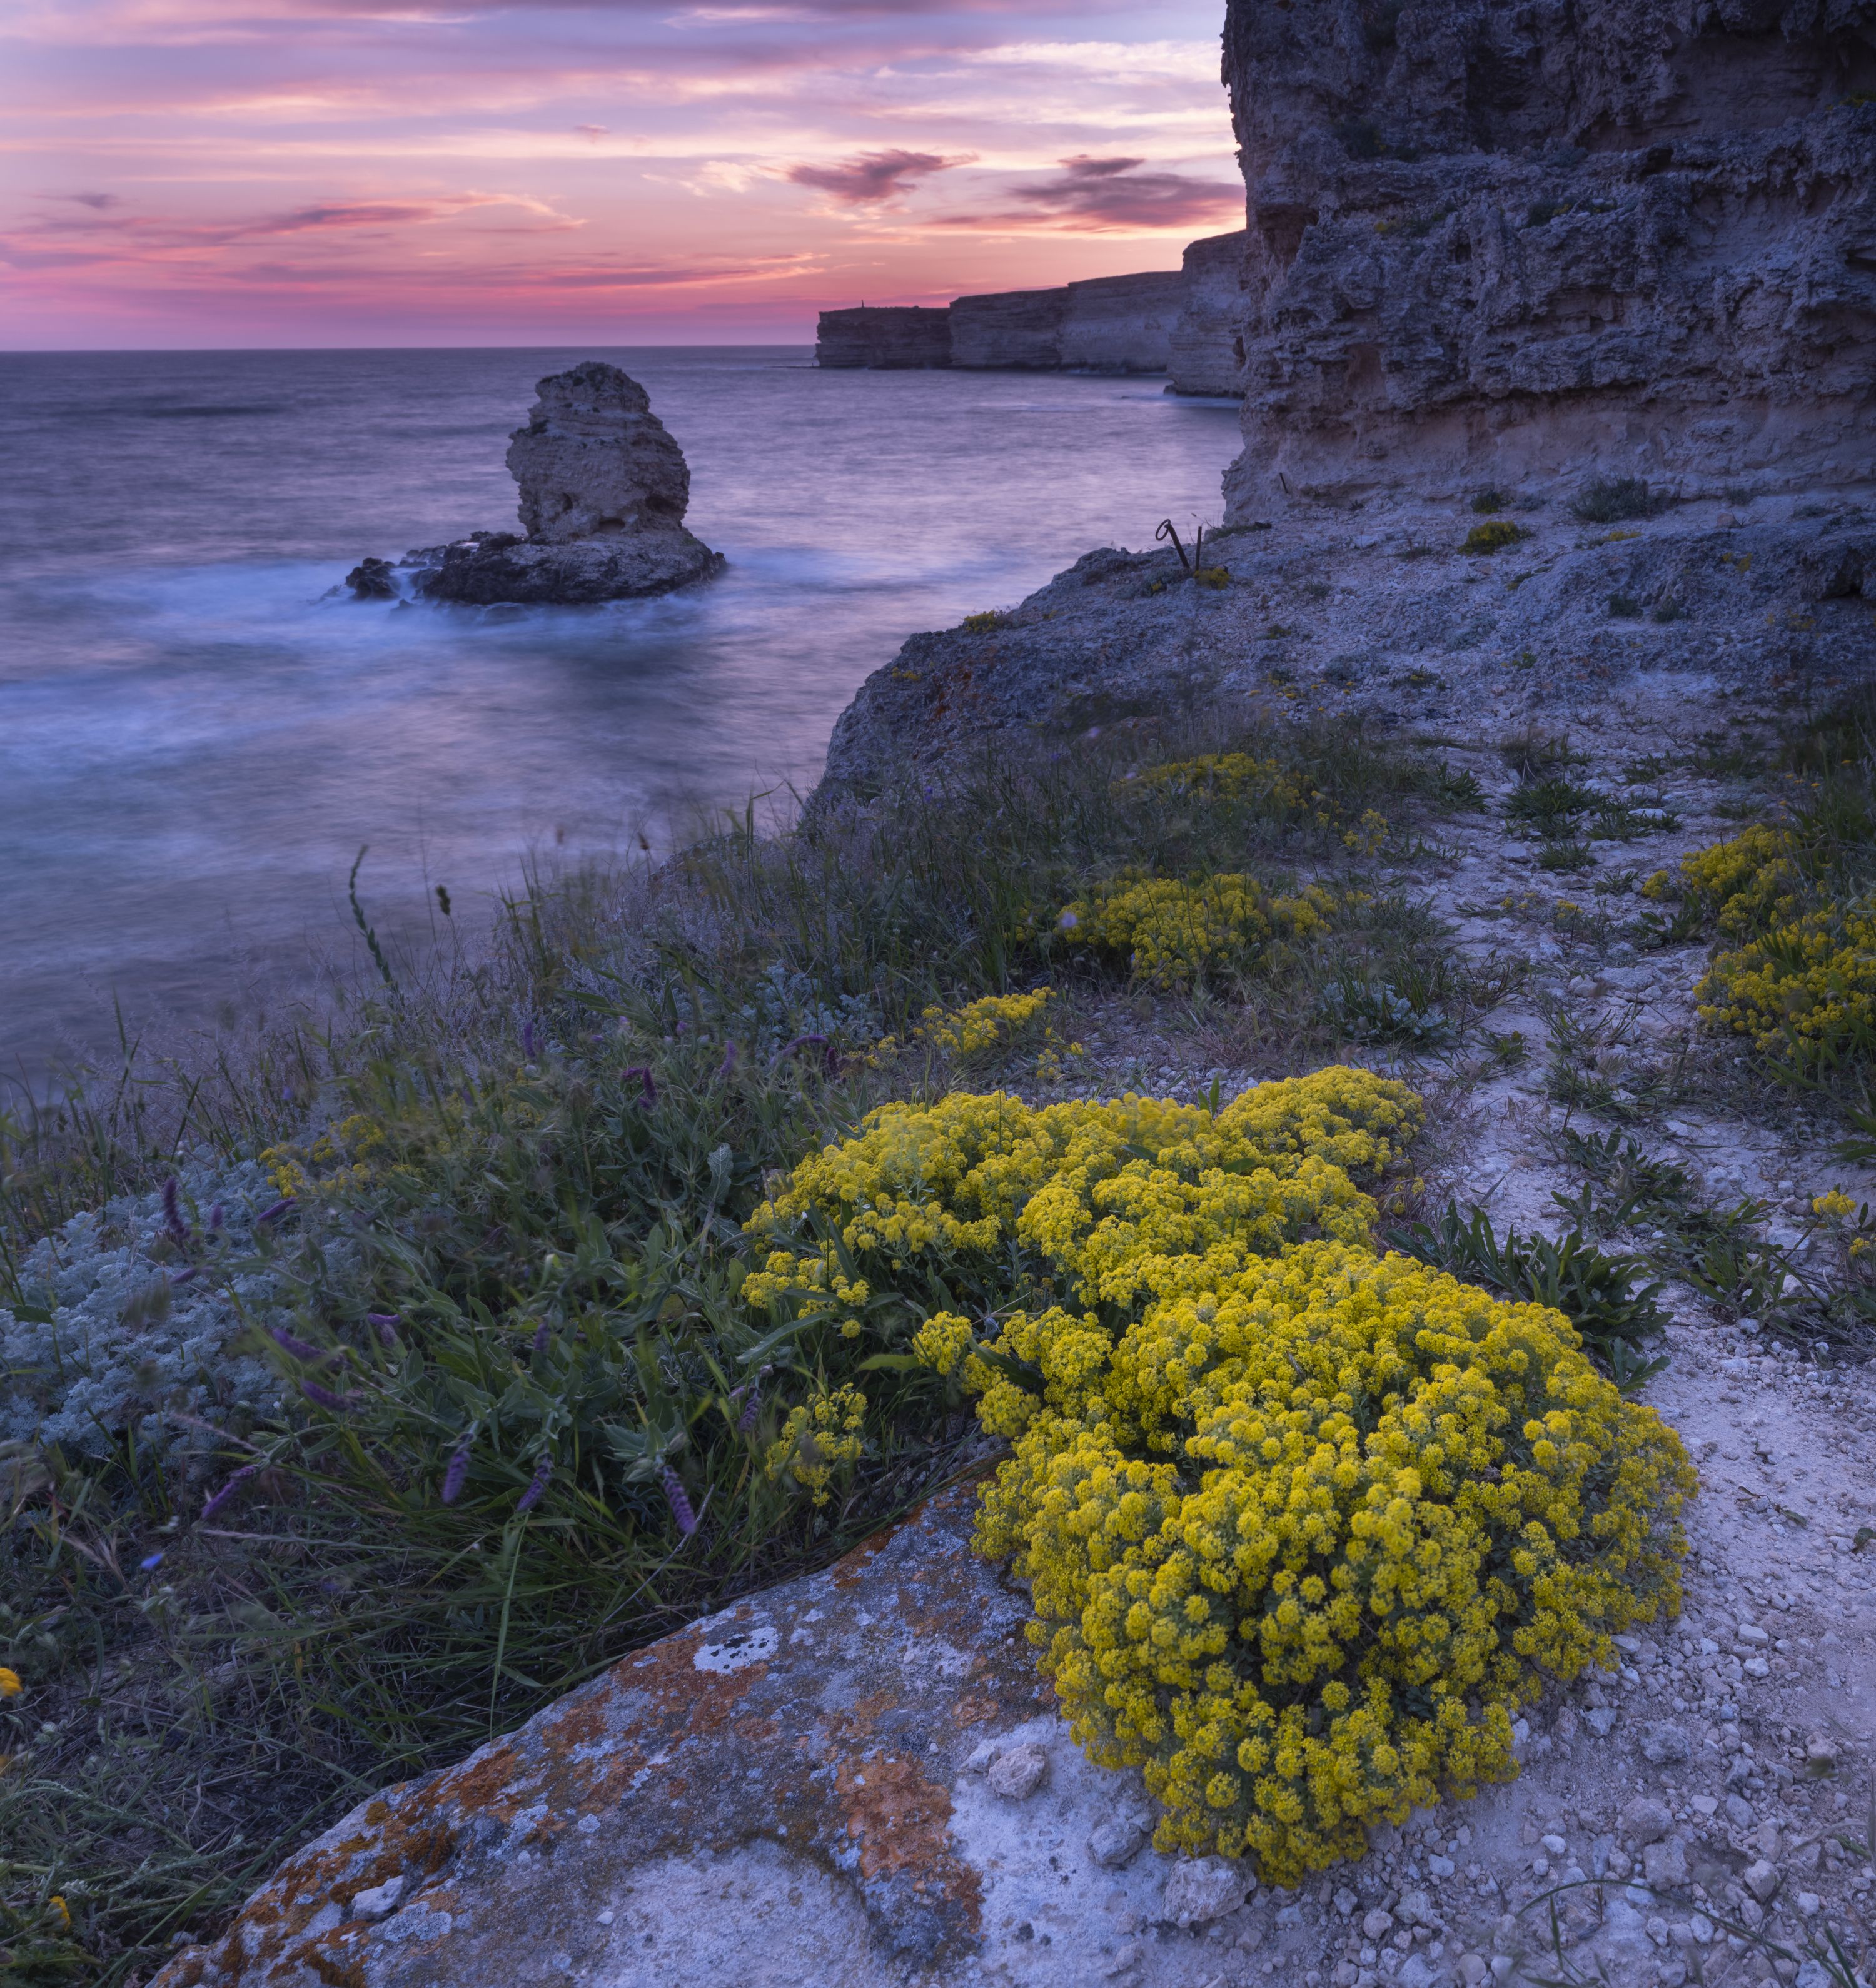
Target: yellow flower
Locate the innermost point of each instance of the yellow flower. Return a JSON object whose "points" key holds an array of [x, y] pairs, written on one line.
{"points": [[1834, 1206], [10, 1686], [1303, 1526], [821, 1437]]}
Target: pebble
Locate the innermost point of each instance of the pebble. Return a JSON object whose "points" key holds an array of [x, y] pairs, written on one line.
{"points": [[1664, 1743], [1646, 1820], [1762, 1880], [1017, 1774], [1115, 1844], [1202, 1888]]}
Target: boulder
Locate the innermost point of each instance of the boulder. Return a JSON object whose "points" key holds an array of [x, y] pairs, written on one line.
{"points": [[793, 1790], [603, 490]]}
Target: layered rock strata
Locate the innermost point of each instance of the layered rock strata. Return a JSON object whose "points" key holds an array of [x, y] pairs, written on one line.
{"points": [[1106, 324], [890, 337], [1208, 336], [1514, 245], [603, 491]]}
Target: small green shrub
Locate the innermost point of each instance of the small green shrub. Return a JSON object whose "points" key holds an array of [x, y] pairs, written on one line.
{"points": [[1556, 856], [1494, 536], [1488, 501], [1625, 606], [985, 623], [1607, 500]]}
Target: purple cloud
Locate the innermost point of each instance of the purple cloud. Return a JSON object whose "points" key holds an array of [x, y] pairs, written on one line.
{"points": [[872, 176], [1113, 193]]}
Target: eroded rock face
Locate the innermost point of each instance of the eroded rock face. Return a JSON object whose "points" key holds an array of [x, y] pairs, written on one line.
{"points": [[1518, 244], [594, 460], [604, 492], [1207, 338]]}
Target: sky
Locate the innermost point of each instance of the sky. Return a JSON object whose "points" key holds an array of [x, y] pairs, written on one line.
{"points": [[298, 173]]}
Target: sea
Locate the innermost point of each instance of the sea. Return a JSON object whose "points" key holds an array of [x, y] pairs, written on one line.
{"points": [[200, 729]]}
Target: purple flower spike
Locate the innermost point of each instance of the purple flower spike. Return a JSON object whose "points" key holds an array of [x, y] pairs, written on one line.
{"points": [[746, 1420], [228, 1491], [387, 1323], [727, 1067], [297, 1346], [324, 1398], [215, 1219], [150, 1562], [185, 1276], [680, 1504], [274, 1214], [536, 1484], [456, 1475], [540, 1337], [172, 1215]]}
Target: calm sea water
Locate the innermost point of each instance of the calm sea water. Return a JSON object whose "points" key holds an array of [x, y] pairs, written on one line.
{"points": [[197, 735]]}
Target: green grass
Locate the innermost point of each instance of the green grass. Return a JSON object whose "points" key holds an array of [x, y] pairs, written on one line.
{"points": [[521, 1247]]}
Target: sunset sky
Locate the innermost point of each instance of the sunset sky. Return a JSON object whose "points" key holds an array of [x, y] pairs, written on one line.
{"points": [[369, 172]]}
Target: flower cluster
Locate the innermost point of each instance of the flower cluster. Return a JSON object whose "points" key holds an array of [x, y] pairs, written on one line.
{"points": [[1263, 784], [1303, 1525], [983, 1029], [1799, 978], [821, 1437], [336, 1159], [1172, 931]]}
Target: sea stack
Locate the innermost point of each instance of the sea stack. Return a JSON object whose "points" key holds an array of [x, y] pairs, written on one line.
{"points": [[604, 492]]}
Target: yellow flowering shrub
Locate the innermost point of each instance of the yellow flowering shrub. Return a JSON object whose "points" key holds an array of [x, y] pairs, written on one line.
{"points": [[1799, 978], [1301, 1543], [1172, 931], [822, 1439], [982, 1026], [339, 1158], [1750, 881], [1303, 1525], [1806, 988], [1238, 776]]}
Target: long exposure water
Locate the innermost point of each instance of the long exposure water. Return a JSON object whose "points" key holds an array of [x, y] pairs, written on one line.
{"points": [[198, 733]]}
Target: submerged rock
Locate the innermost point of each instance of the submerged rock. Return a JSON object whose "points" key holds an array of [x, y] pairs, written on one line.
{"points": [[603, 492]]}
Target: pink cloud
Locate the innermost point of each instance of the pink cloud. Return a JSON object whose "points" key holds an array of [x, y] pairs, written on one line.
{"points": [[874, 177]]}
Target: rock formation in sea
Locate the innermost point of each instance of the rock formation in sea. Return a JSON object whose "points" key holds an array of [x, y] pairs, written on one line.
{"points": [[1512, 245], [604, 492]]}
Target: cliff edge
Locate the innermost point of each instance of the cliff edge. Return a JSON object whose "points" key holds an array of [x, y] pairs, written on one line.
{"points": [[1515, 244]]}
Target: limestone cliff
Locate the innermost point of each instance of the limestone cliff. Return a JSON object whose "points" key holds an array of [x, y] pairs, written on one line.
{"points": [[1519, 243], [1208, 337], [1106, 324]]}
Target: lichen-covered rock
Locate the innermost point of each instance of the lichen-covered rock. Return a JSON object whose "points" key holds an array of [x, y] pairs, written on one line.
{"points": [[1509, 244], [781, 1794], [604, 492]]}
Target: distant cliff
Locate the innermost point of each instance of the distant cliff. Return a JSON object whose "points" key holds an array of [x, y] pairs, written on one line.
{"points": [[1106, 324]]}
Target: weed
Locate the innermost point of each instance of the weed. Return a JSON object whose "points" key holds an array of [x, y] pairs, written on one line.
{"points": [[1607, 500], [985, 623], [1534, 755], [1550, 804], [1566, 856], [1625, 606], [1487, 501], [1668, 609]]}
